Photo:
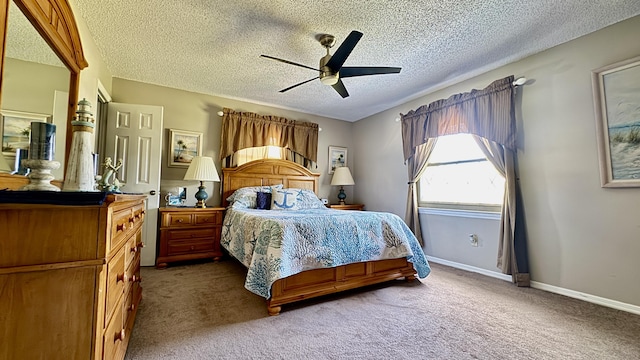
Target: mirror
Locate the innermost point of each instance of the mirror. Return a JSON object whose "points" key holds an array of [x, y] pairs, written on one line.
{"points": [[35, 88], [55, 25]]}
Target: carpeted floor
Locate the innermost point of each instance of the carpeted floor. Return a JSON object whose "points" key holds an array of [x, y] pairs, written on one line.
{"points": [[202, 311]]}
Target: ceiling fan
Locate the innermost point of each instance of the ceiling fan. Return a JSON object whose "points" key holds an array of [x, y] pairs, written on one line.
{"points": [[331, 70]]}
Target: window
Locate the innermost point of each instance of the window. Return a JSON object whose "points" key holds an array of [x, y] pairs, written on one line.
{"points": [[256, 153], [459, 176]]}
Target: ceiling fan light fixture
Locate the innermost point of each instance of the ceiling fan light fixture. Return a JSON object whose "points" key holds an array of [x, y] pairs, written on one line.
{"points": [[330, 79]]}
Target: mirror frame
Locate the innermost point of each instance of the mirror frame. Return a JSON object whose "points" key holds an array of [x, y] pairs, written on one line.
{"points": [[54, 21]]}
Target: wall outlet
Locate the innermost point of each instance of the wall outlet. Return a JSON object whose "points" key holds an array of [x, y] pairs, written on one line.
{"points": [[325, 201], [473, 238]]}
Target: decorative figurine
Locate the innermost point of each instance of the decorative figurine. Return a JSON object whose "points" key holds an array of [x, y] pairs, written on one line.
{"points": [[109, 179]]}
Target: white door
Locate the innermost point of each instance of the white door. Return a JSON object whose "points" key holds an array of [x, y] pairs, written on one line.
{"points": [[134, 134]]}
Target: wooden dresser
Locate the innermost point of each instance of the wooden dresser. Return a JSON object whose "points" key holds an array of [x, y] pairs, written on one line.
{"points": [[69, 278], [188, 233]]}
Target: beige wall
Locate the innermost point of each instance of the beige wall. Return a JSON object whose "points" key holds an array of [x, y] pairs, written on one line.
{"points": [[191, 111], [581, 237]]}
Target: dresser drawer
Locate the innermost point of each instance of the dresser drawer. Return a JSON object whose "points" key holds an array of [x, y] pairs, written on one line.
{"points": [[114, 336], [121, 223], [193, 233], [185, 247], [176, 219], [131, 249], [116, 280]]}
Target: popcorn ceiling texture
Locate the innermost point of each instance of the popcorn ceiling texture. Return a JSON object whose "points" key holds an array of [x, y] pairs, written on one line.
{"points": [[213, 47]]}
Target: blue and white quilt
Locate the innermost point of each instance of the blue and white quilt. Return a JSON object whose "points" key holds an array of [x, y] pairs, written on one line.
{"points": [[274, 244]]}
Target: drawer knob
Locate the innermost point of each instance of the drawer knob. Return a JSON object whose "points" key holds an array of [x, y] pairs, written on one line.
{"points": [[138, 279], [134, 249], [121, 227], [119, 336], [179, 220], [141, 245], [121, 277], [132, 219], [131, 307]]}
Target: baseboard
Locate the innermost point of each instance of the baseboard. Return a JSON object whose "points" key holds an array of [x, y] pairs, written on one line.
{"points": [[493, 274], [545, 287], [618, 305]]}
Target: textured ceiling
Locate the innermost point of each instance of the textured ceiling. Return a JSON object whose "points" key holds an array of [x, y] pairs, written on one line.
{"points": [[213, 46]]}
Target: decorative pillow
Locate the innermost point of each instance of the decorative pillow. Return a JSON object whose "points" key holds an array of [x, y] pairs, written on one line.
{"points": [[295, 199], [283, 199], [263, 200], [246, 196], [307, 199]]}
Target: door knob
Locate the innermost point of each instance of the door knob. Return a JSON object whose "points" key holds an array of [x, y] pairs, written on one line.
{"points": [[152, 192]]}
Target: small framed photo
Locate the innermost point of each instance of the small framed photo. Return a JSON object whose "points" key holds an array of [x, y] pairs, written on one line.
{"points": [[183, 147], [616, 95], [15, 129], [174, 200], [337, 158]]}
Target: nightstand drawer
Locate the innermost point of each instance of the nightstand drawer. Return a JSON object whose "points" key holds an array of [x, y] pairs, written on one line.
{"points": [[213, 219], [186, 247], [193, 233], [178, 219]]}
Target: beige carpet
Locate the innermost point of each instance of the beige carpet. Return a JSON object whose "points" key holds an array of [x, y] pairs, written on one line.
{"points": [[202, 311]]}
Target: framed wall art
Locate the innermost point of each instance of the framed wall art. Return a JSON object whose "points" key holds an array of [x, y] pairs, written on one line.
{"points": [[616, 93], [183, 146], [15, 129], [337, 158]]}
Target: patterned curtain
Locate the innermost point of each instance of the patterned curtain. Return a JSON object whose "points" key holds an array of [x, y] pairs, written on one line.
{"points": [[242, 130], [490, 114]]}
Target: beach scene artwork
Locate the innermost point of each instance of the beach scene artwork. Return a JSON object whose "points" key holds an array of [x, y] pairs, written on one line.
{"points": [[622, 99], [16, 129], [185, 145]]}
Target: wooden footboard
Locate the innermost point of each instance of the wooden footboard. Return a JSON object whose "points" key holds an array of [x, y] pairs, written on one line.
{"points": [[317, 282]]}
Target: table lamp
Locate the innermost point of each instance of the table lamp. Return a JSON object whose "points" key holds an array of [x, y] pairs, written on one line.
{"points": [[202, 169], [342, 176]]}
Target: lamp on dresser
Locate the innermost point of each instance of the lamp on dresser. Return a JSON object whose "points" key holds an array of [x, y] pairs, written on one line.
{"points": [[342, 176], [202, 169]]}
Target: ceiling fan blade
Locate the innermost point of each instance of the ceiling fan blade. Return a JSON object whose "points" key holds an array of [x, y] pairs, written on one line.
{"points": [[288, 62], [348, 71], [298, 84], [339, 87], [343, 51]]}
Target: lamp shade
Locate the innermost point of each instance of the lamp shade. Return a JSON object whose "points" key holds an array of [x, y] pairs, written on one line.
{"points": [[342, 176], [202, 168]]}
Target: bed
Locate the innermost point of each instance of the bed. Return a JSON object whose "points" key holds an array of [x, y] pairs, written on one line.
{"points": [[268, 242]]}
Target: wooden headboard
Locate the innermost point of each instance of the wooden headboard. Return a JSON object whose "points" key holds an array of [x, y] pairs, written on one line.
{"points": [[267, 172]]}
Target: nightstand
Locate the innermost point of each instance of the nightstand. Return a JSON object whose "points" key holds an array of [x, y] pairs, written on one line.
{"points": [[188, 233], [346, 206]]}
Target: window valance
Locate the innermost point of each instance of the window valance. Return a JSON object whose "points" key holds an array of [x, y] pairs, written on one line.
{"points": [[241, 130], [488, 113]]}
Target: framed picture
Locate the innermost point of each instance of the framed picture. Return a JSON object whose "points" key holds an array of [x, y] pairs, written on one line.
{"points": [[337, 157], [15, 129], [183, 146], [616, 93]]}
